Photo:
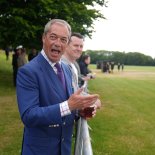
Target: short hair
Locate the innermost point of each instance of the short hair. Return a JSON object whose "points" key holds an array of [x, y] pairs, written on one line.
{"points": [[53, 21], [78, 35], [85, 57]]}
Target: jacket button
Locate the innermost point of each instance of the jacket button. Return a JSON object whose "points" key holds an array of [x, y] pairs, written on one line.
{"points": [[64, 123], [62, 139]]}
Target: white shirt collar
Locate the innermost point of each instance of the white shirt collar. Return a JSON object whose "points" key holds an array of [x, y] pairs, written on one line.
{"points": [[48, 60]]}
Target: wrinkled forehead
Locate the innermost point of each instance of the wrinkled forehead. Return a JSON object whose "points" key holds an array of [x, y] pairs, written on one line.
{"points": [[59, 27], [76, 39]]}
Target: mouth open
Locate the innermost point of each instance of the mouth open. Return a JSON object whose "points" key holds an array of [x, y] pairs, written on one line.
{"points": [[55, 52]]}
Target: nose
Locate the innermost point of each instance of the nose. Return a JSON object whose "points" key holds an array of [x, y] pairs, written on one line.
{"points": [[58, 42]]}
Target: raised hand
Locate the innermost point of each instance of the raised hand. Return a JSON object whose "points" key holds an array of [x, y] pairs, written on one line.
{"points": [[78, 101]]}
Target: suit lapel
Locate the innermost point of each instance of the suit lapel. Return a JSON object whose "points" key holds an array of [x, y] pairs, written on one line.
{"points": [[48, 71], [67, 72]]}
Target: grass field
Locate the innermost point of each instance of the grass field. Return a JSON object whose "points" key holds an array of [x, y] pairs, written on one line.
{"points": [[123, 126]]}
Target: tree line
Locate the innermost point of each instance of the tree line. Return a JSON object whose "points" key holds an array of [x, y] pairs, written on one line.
{"points": [[22, 21], [130, 58]]}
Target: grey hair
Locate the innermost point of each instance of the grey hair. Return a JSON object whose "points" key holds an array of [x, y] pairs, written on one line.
{"points": [[53, 21]]}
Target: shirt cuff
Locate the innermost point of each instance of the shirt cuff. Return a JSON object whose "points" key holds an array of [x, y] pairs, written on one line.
{"points": [[64, 109]]}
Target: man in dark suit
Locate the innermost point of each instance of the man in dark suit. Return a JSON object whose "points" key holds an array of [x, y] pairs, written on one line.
{"points": [[46, 101]]}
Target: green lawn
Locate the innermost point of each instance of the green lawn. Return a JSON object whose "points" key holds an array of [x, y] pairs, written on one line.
{"points": [[10, 124], [123, 126]]}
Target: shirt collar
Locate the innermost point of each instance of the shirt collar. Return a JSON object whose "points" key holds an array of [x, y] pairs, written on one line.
{"points": [[48, 60]]}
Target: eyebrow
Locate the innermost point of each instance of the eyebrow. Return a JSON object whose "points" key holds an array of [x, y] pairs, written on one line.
{"points": [[59, 35]]}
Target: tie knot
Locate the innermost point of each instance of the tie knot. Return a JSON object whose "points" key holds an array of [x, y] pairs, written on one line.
{"points": [[58, 67]]}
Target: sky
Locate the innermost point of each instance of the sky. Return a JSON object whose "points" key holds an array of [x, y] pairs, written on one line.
{"points": [[129, 27]]}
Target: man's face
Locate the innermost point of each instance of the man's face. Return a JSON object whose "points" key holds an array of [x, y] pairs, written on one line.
{"points": [[75, 48], [55, 41], [19, 51]]}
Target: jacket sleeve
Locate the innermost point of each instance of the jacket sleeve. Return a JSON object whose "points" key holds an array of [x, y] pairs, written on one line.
{"points": [[31, 111]]}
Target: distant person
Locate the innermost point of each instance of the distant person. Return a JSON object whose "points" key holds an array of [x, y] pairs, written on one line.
{"points": [[122, 66], [7, 50], [118, 66], [104, 67], [85, 71], [21, 56], [98, 65], [32, 54], [108, 67], [15, 65], [18, 60], [112, 64]]}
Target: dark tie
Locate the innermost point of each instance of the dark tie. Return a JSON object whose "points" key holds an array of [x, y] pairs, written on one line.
{"points": [[60, 75]]}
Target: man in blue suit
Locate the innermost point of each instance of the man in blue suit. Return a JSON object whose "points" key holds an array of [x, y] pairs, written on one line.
{"points": [[46, 104]]}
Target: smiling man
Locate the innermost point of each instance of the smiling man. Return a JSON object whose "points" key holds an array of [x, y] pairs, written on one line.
{"points": [[72, 53], [45, 96]]}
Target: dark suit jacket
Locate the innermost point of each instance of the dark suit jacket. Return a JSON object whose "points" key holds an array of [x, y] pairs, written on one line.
{"points": [[39, 93]]}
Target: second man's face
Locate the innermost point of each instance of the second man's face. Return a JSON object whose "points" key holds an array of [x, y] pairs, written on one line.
{"points": [[75, 47], [55, 41]]}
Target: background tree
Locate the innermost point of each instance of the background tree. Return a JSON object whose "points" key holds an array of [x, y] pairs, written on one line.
{"points": [[130, 58], [22, 21]]}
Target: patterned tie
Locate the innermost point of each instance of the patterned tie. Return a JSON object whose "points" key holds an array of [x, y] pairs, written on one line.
{"points": [[60, 75]]}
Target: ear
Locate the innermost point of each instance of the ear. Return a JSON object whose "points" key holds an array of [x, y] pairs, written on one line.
{"points": [[43, 38]]}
